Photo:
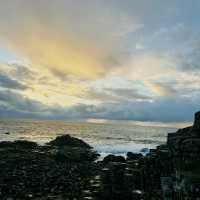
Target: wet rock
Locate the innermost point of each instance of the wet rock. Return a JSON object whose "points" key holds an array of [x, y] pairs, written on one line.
{"points": [[76, 154], [113, 158], [5, 144], [25, 144], [30, 171], [65, 169], [137, 194], [9, 198], [144, 150], [196, 124], [133, 156], [19, 144], [67, 140]]}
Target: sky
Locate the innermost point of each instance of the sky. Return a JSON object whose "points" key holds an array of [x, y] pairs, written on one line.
{"points": [[100, 59]]}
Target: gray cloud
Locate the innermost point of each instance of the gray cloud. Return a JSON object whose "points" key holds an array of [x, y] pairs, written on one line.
{"points": [[17, 71], [18, 102], [189, 61], [100, 96], [115, 28], [113, 95], [7, 82], [22, 72], [161, 110], [130, 94], [177, 109]]}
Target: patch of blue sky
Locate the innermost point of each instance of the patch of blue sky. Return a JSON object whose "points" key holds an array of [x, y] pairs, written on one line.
{"points": [[6, 56]]}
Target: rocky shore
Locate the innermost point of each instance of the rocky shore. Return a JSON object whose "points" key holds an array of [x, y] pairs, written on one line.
{"points": [[67, 169]]}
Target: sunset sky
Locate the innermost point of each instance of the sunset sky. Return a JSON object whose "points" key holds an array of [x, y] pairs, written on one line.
{"points": [[100, 59]]}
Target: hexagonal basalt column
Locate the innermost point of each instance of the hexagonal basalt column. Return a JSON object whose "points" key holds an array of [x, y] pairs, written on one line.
{"points": [[197, 121]]}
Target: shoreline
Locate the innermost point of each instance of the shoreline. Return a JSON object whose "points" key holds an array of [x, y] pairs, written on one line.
{"points": [[107, 150], [68, 168]]}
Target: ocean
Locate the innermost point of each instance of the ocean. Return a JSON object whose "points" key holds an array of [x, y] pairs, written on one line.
{"points": [[106, 138]]}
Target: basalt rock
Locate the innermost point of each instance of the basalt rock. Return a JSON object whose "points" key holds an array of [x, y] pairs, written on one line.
{"points": [[71, 148], [178, 163], [67, 140], [76, 154], [197, 121], [113, 158], [19, 144], [64, 169], [133, 156], [30, 171]]}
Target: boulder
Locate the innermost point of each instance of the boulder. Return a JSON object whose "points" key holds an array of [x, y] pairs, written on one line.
{"points": [[133, 156], [75, 154], [72, 149], [113, 158], [67, 140]]}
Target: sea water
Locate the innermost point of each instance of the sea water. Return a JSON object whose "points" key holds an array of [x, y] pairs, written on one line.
{"points": [[106, 138]]}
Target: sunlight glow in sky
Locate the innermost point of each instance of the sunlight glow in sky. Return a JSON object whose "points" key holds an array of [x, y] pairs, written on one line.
{"points": [[98, 59]]}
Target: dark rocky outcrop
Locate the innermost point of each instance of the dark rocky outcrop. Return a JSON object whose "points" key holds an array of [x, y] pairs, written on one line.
{"points": [[133, 156], [70, 148], [75, 154], [169, 172], [60, 170], [113, 158], [19, 144], [173, 170], [197, 121], [67, 140], [65, 169]]}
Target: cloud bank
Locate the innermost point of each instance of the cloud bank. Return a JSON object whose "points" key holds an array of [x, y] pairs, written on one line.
{"points": [[116, 60]]}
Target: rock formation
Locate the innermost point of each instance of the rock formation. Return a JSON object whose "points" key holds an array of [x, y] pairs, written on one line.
{"points": [[30, 171], [64, 169], [197, 121]]}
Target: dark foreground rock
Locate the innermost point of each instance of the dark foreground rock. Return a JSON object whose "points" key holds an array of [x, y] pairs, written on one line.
{"points": [[169, 172], [67, 140], [18, 144], [133, 156], [113, 158], [60, 171], [66, 169]]}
